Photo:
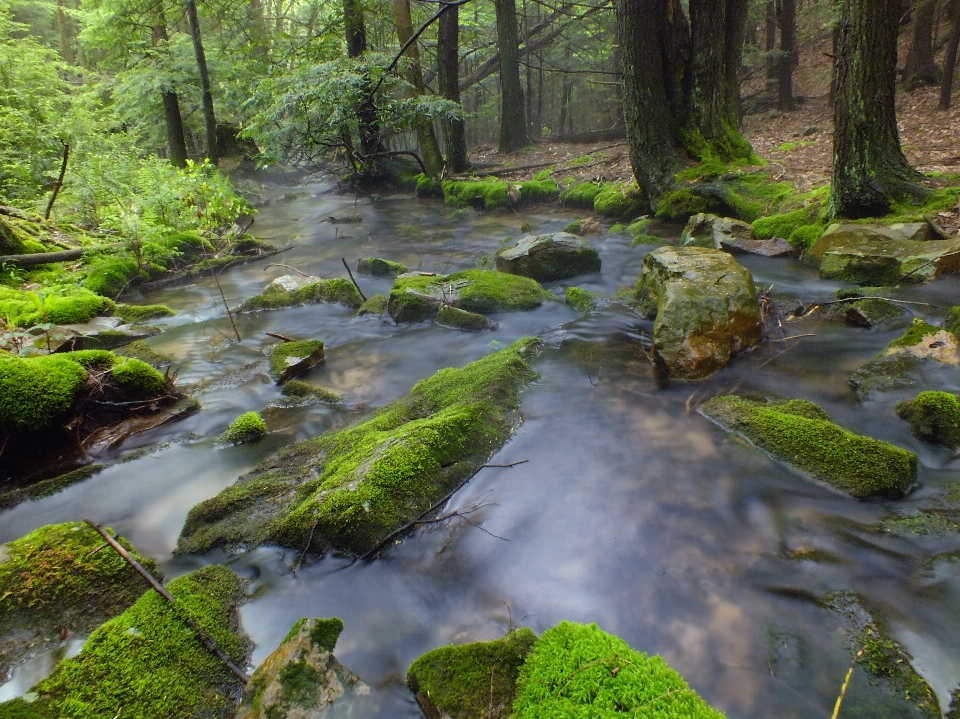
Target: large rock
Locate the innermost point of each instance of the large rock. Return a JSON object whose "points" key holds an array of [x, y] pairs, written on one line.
{"points": [[705, 306], [882, 256], [730, 235], [289, 291], [301, 679], [549, 257], [289, 359]]}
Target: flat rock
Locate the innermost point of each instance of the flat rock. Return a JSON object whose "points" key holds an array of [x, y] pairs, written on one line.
{"points": [[705, 305], [291, 283], [559, 256], [290, 359], [912, 231], [100, 336]]}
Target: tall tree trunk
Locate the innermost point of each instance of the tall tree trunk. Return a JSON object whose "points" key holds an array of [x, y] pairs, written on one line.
{"points": [[355, 30], [869, 167], [176, 143], [950, 59], [921, 68], [448, 79], [770, 26], [788, 57], [63, 28], [209, 118], [513, 127]]}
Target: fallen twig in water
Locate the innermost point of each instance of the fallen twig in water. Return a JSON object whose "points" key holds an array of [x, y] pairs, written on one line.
{"points": [[277, 264], [350, 272], [279, 336], [216, 277], [512, 464], [794, 337], [305, 549], [846, 682]]}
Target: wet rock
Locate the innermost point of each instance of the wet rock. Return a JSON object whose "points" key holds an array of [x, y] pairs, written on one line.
{"points": [[380, 268], [140, 350], [291, 283], [301, 679], [581, 300], [248, 427], [801, 434], [135, 314], [347, 490], [101, 333], [886, 373], [549, 257], [865, 309], [274, 297], [416, 297], [289, 359], [730, 235], [584, 228], [876, 256], [462, 320], [297, 393], [112, 436], [705, 305], [376, 305], [934, 417]]}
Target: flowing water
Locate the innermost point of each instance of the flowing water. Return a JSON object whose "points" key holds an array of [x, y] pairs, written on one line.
{"points": [[631, 510]]}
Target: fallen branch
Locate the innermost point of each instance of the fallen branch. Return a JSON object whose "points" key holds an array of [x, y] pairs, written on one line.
{"points": [[278, 264], [216, 278], [279, 336], [846, 683], [306, 549], [202, 635], [794, 337], [349, 272], [512, 464]]}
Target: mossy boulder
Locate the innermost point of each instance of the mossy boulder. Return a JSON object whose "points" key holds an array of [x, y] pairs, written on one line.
{"points": [[549, 257], [248, 427], [298, 393], [582, 195], [376, 305], [52, 579], [934, 417], [347, 490], [416, 297], [16, 241], [140, 350], [147, 663], [581, 300], [337, 290], [133, 314], [36, 391], [731, 235], [457, 319], [705, 305], [618, 201], [301, 679], [289, 359], [380, 268], [864, 308], [471, 681], [58, 304], [801, 434]]}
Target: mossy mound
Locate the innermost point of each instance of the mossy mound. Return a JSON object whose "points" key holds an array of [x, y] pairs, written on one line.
{"points": [[415, 298], [471, 681], [533, 191], [131, 314], [53, 579], [248, 427], [148, 664], [619, 201], [488, 194], [581, 300], [14, 240], [915, 334], [380, 268], [34, 392], [292, 358], [462, 320], [800, 433], [138, 378], [347, 490], [376, 305], [110, 275], [582, 195], [299, 392], [934, 417], [59, 304], [428, 187], [337, 290]]}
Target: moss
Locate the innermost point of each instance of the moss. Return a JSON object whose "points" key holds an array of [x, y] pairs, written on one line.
{"points": [[578, 671], [619, 201], [109, 276], [803, 238], [801, 434], [581, 300], [337, 290], [132, 314], [465, 681], [616, 228], [915, 333], [575, 227], [582, 195], [952, 323], [189, 244], [142, 351], [14, 240], [62, 305], [783, 225], [924, 523], [325, 633], [34, 392], [139, 378], [302, 392], [489, 194], [248, 427], [458, 319], [933, 417], [428, 187], [47, 487], [543, 190], [380, 268], [375, 305], [349, 489], [148, 664], [682, 203], [287, 355]]}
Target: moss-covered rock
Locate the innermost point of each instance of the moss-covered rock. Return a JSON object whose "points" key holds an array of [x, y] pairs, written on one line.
{"points": [[415, 297], [887, 372], [380, 268], [952, 323], [582, 195], [110, 275], [783, 225], [559, 256], [581, 300], [471, 681], [801, 434], [53, 579], [867, 311], [458, 319], [133, 314], [487, 194], [140, 350], [934, 417], [428, 187], [58, 304], [248, 427], [148, 663], [619, 201], [534, 191], [376, 305], [16, 241], [705, 305], [34, 392], [347, 490], [337, 290], [138, 378], [289, 359], [297, 393]]}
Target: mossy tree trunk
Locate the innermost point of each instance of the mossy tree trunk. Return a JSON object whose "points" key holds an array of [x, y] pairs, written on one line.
{"points": [[209, 118], [355, 31], [176, 142], [869, 167], [448, 78], [787, 57], [950, 58], [513, 124], [920, 68], [426, 138]]}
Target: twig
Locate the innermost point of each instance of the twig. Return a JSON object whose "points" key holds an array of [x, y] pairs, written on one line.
{"points": [[59, 183], [216, 277], [512, 464], [280, 336], [305, 549], [846, 683], [277, 264], [349, 272], [215, 329], [887, 299], [795, 337], [202, 635], [927, 264]]}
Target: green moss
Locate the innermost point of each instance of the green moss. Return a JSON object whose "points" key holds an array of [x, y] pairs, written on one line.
{"points": [[380, 268], [47, 487], [783, 225], [488, 194], [302, 392], [458, 319], [582, 195], [801, 434], [428, 187], [248, 427], [132, 314], [110, 275], [139, 378], [575, 227], [924, 523], [14, 240], [618, 227], [34, 392], [933, 417], [543, 190], [803, 238], [142, 351], [59, 304], [915, 333], [472, 681], [578, 671], [337, 290], [952, 323], [619, 201], [325, 633], [581, 300], [148, 664], [283, 355], [376, 305], [349, 489], [682, 203]]}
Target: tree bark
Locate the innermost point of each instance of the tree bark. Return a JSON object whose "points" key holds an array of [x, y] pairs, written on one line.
{"points": [[950, 59], [921, 68], [176, 142], [426, 138], [869, 167], [356, 36], [513, 129], [788, 57], [770, 26], [209, 118], [448, 66]]}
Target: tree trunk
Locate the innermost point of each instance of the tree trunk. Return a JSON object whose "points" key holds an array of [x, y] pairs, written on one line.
{"points": [[950, 59], [176, 143], [209, 118], [63, 28], [869, 167], [448, 79], [770, 26], [356, 36], [513, 129], [921, 68], [788, 57]]}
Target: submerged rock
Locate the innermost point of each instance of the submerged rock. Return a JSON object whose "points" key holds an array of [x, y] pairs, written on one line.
{"points": [[801, 434], [705, 305], [865, 309], [348, 490], [559, 256], [275, 297], [872, 255], [100, 335], [457, 319], [289, 359], [297, 393], [248, 427], [301, 679], [380, 268], [416, 297], [934, 417]]}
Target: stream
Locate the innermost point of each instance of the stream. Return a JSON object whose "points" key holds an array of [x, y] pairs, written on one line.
{"points": [[631, 511]]}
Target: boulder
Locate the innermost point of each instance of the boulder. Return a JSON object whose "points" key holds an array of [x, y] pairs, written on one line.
{"points": [[301, 679], [376, 305], [934, 417], [289, 359], [549, 257], [462, 320], [705, 305], [380, 268], [291, 283], [304, 290], [876, 256], [730, 235]]}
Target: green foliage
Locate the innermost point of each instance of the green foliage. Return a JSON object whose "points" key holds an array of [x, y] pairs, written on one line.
{"points": [[933, 417], [248, 427], [138, 378], [578, 671], [36, 391]]}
